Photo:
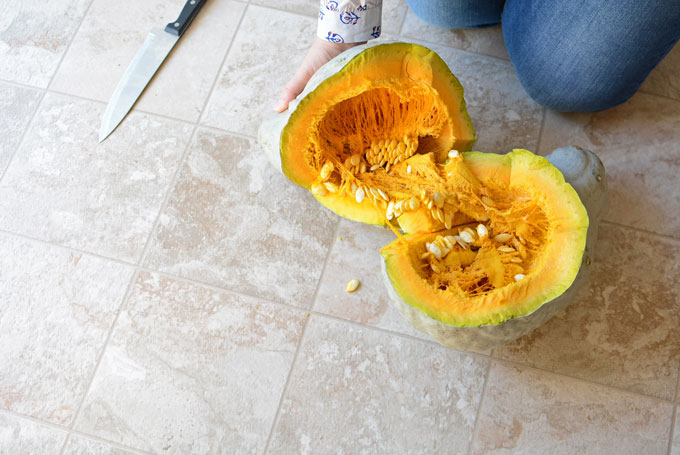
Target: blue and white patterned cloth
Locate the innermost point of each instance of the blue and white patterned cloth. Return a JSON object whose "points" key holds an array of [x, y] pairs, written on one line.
{"points": [[349, 21]]}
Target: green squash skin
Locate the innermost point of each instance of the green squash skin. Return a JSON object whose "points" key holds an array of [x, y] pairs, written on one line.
{"points": [[585, 172]]}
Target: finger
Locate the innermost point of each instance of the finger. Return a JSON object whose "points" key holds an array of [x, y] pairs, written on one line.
{"points": [[292, 89]]}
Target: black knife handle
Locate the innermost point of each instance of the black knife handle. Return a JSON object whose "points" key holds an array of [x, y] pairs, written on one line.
{"points": [[190, 10]]}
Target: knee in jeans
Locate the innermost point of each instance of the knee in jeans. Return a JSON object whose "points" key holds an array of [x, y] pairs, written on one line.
{"points": [[454, 14], [573, 92]]}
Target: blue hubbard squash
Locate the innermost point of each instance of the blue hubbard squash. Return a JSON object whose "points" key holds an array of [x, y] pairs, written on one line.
{"points": [[488, 246]]}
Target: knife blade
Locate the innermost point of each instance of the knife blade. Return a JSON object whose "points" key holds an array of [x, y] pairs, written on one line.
{"points": [[156, 47]]}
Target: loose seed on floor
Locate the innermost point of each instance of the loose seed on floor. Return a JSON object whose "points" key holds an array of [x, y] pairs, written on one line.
{"points": [[352, 285]]}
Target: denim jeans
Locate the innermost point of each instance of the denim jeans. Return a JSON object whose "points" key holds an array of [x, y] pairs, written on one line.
{"points": [[571, 55]]}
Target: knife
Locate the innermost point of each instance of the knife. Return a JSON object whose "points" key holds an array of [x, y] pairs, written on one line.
{"points": [[144, 65]]}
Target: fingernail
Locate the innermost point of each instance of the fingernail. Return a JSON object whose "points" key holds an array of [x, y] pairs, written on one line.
{"points": [[280, 106]]}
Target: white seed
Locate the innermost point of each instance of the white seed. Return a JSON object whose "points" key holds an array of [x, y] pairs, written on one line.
{"points": [[506, 249], [440, 214], [448, 220], [425, 255], [471, 232], [362, 168], [390, 210], [332, 187], [318, 189], [434, 268], [454, 154], [460, 242], [519, 277], [484, 217], [374, 167], [348, 162], [399, 205], [355, 160], [360, 195], [467, 237], [438, 199], [408, 169], [435, 250], [354, 187], [326, 170], [502, 238], [383, 194], [447, 242], [413, 203], [352, 285], [374, 193], [387, 168], [482, 231], [488, 201], [515, 260]]}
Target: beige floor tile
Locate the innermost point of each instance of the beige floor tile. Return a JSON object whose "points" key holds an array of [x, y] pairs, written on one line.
{"points": [[58, 307], [624, 329], [17, 105], [488, 40], [642, 120], [255, 71], [529, 412], [665, 79], [25, 437], [77, 445], [643, 187], [675, 447], [33, 37], [235, 222], [192, 370], [112, 33], [64, 187], [356, 390], [356, 254], [503, 115]]}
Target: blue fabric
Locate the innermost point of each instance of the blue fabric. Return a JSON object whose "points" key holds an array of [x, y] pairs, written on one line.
{"points": [[571, 55]]}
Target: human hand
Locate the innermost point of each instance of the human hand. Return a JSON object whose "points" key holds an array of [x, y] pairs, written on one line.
{"points": [[319, 53]]}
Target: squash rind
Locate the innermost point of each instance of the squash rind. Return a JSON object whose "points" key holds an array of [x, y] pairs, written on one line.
{"points": [[584, 171]]}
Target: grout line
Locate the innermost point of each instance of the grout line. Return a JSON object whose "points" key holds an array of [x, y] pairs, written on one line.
{"points": [[541, 129], [224, 59], [643, 231], [123, 303], [22, 138], [582, 381], [68, 46], [346, 321], [284, 392], [475, 427], [68, 434], [22, 85], [672, 433], [187, 150]]}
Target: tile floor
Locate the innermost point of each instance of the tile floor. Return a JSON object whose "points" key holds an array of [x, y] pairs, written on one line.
{"points": [[168, 292]]}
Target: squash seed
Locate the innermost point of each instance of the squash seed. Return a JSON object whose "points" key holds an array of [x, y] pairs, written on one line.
{"points": [[383, 194], [326, 170], [515, 260], [332, 187], [435, 250], [482, 231], [438, 199], [448, 220], [360, 195], [318, 189], [454, 154], [487, 201], [519, 277], [390, 210], [413, 203], [355, 160], [434, 268], [466, 237], [506, 249], [502, 238], [408, 169], [362, 168], [425, 255], [460, 242], [352, 285]]}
